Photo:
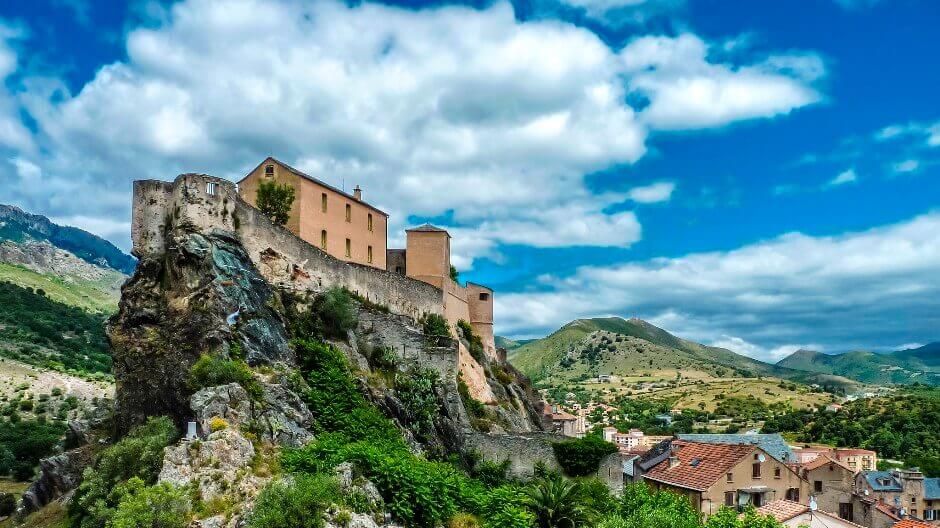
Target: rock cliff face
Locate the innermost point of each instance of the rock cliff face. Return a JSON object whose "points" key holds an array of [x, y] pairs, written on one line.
{"points": [[180, 305]]}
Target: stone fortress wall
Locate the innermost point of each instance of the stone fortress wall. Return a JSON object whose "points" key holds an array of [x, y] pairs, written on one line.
{"points": [[283, 258]]}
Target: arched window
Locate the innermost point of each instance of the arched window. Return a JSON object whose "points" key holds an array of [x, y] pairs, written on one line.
{"points": [[348, 213], [370, 255], [323, 202], [370, 221], [323, 239], [348, 247]]}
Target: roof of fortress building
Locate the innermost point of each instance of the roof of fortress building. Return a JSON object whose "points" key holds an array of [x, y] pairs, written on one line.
{"points": [[320, 182]]}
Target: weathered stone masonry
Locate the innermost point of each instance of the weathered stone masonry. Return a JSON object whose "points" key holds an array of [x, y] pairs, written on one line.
{"points": [[284, 259]]}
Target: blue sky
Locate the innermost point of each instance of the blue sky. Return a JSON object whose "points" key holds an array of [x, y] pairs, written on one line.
{"points": [[757, 175]]}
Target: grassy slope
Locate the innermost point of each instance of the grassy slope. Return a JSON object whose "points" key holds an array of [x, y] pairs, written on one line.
{"points": [[540, 358], [89, 296], [896, 368]]}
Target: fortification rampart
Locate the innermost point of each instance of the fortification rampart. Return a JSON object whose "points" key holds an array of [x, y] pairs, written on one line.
{"points": [[204, 203], [522, 451]]}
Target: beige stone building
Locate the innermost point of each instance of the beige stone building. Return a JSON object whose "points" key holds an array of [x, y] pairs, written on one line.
{"points": [[337, 222], [350, 229], [832, 483], [794, 515], [733, 475], [906, 492]]}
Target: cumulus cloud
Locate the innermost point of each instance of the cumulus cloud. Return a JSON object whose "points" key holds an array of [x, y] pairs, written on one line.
{"points": [[451, 111], [13, 134], [653, 193], [687, 91], [868, 289]]}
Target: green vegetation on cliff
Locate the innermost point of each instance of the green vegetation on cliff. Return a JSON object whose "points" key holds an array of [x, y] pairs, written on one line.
{"points": [[91, 296]]}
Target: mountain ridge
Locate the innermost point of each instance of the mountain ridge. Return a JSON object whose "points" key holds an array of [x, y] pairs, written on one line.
{"points": [[20, 226], [921, 364], [644, 347]]}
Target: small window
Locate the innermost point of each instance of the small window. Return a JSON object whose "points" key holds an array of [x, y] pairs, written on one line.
{"points": [[211, 188], [323, 202], [817, 486], [269, 171], [755, 470], [348, 247], [776, 472], [369, 256], [348, 213], [729, 477], [370, 221], [729, 498], [484, 296], [323, 239]]}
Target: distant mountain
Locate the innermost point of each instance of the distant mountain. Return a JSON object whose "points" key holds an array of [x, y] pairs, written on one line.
{"points": [[20, 227], [614, 345], [902, 367], [511, 344]]}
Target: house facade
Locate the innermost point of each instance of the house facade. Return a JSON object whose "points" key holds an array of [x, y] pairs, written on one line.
{"points": [[794, 515], [832, 485], [342, 224], [905, 491], [713, 475]]}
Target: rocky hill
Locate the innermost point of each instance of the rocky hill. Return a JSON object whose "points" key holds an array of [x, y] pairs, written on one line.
{"points": [[901, 367], [291, 383]]}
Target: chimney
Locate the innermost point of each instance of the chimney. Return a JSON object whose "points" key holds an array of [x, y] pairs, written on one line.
{"points": [[673, 461], [357, 193]]}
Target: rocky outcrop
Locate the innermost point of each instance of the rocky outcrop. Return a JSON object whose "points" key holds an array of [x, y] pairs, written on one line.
{"points": [[218, 466], [200, 296], [279, 417], [62, 473]]}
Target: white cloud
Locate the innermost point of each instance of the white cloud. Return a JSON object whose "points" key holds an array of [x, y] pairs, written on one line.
{"points": [[844, 177], [446, 111], [13, 134], [867, 289], [906, 166], [653, 193], [928, 133], [686, 91]]}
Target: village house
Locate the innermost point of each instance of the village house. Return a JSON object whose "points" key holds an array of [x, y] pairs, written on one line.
{"points": [[771, 443], [793, 515], [562, 422], [832, 484], [350, 229], [905, 491], [713, 475]]}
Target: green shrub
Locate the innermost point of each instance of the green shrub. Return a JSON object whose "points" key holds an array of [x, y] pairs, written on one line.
{"points": [[210, 371], [158, 506], [7, 504], [274, 200], [435, 325], [476, 344], [491, 473], [581, 457], [331, 314], [297, 504], [417, 392], [139, 454], [474, 407], [24, 442]]}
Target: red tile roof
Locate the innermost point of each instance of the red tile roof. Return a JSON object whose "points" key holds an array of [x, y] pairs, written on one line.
{"points": [[712, 461], [782, 510], [911, 523], [823, 460], [887, 510], [852, 452]]}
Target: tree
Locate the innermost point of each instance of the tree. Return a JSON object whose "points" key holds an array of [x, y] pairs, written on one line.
{"points": [[274, 200], [581, 457], [454, 274], [556, 503]]}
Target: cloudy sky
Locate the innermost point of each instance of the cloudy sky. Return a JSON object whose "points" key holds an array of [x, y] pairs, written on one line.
{"points": [[759, 175]]}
